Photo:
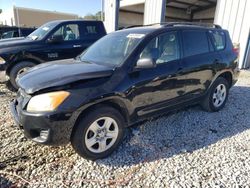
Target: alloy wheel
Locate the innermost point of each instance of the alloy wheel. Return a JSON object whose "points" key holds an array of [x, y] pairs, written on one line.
{"points": [[219, 95], [101, 135]]}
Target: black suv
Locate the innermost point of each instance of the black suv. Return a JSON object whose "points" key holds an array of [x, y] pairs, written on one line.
{"points": [[125, 77], [55, 40]]}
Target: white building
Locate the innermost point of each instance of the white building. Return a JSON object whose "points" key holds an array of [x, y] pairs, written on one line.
{"points": [[232, 15]]}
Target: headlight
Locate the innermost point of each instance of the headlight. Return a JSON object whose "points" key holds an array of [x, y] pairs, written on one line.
{"points": [[2, 61], [47, 102]]}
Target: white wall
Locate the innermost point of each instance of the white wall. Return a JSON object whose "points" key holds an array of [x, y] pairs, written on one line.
{"points": [[124, 3], [111, 17], [154, 11], [234, 16], [7, 17]]}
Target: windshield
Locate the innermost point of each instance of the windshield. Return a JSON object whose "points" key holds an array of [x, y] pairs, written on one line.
{"points": [[112, 49], [42, 31]]}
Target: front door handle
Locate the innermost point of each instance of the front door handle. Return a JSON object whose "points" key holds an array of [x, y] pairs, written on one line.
{"points": [[77, 46]]}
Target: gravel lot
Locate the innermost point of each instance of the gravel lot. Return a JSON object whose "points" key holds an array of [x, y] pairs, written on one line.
{"points": [[191, 148]]}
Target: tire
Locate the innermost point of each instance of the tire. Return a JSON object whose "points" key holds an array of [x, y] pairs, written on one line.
{"points": [[215, 100], [84, 138], [15, 71]]}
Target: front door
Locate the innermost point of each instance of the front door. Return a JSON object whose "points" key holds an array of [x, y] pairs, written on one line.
{"points": [[70, 47], [157, 88]]}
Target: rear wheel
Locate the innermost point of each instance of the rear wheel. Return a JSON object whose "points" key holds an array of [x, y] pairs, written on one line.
{"points": [[217, 95], [19, 69], [99, 133]]}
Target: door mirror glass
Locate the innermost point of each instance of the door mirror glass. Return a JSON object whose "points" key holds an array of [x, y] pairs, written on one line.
{"points": [[55, 39], [145, 63]]}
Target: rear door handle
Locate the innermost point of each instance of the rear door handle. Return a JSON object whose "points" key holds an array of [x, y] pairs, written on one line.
{"points": [[216, 61], [180, 70], [77, 46]]}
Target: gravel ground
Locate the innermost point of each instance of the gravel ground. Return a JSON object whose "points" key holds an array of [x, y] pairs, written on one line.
{"points": [[191, 148]]}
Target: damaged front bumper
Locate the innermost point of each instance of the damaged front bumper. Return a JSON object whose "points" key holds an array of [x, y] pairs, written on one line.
{"points": [[44, 128]]}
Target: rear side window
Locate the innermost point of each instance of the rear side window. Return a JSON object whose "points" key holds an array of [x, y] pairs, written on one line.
{"points": [[92, 30], [219, 39], [195, 42]]}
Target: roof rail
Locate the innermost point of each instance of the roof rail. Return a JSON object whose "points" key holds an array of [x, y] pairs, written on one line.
{"points": [[131, 26], [167, 24]]}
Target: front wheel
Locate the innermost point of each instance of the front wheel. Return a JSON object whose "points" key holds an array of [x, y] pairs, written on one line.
{"points": [[98, 133], [217, 95], [18, 69]]}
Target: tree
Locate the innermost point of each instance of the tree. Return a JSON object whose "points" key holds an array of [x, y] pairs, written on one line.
{"points": [[97, 16], [89, 17]]}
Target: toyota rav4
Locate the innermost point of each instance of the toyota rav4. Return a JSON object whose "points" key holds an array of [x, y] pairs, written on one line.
{"points": [[123, 78]]}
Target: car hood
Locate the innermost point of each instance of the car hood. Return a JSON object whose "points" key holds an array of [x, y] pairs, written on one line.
{"points": [[12, 42], [58, 73]]}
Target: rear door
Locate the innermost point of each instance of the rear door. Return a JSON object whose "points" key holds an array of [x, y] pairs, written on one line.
{"points": [[199, 61], [223, 48], [91, 32]]}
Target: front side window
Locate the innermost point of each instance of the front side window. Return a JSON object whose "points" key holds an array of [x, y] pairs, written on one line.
{"points": [[195, 42], [163, 48], [68, 32], [112, 49]]}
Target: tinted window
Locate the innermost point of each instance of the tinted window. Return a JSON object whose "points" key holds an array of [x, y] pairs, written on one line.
{"points": [[219, 39], [92, 30], [69, 32], [163, 48], [16, 34], [195, 42], [26, 32]]}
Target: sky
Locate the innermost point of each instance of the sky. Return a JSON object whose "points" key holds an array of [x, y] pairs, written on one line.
{"points": [[79, 7]]}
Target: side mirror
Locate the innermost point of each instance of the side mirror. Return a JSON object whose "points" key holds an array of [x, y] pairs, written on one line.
{"points": [[145, 63], [55, 39]]}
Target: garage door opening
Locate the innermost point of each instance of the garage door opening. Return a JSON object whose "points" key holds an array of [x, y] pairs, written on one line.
{"points": [[176, 11], [190, 10], [131, 15]]}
